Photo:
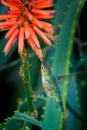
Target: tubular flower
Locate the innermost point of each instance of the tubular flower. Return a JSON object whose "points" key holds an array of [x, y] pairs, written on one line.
{"points": [[24, 20]]}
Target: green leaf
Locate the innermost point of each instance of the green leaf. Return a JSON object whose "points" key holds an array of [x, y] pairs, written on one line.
{"points": [[61, 53], [23, 117], [74, 105], [50, 117], [1, 127], [12, 124]]}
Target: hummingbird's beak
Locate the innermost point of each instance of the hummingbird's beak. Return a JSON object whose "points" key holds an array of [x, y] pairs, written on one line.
{"points": [[43, 62]]}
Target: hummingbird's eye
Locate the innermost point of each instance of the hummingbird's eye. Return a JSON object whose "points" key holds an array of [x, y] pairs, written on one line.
{"points": [[42, 67]]}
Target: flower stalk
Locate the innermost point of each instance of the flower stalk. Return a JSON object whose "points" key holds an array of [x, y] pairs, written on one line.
{"points": [[25, 20], [25, 74]]}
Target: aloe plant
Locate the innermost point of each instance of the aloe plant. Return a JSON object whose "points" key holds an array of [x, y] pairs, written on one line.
{"points": [[29, 106]]}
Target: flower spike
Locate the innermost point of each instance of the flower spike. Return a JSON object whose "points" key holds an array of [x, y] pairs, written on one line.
{"points": [[25, 21]]}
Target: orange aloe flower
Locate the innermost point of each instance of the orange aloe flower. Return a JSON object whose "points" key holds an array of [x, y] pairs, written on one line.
{"points": [[24, 20]]}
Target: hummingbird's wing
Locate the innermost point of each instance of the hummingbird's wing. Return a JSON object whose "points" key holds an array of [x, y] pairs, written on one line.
{"points": [[56, 94], [60, 77]]}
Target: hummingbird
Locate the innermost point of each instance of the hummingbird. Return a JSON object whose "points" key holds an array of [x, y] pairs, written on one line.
{"points": [[50, 85]]}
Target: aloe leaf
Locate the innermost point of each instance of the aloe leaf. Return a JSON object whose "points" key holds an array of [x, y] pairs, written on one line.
{"points": [[50, 117], [23, 106], [74, 105], [61, 56], [12, 124], [1, 127], [66, 44], [23, 117]]}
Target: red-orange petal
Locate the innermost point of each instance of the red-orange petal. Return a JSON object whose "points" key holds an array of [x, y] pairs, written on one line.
{"points": [[33, 19], [21, 40], [37, 23], [29, 15], [7, 16], [34, 37], [42, 35], [44, 16], [48, 27], [50, 36], [44, 5], [11, 31], [20, 21], [26, 30], [37, 51], [39, 11], [7, 23], [9, 5], [51, 11], [13, 12], [11, 41]]}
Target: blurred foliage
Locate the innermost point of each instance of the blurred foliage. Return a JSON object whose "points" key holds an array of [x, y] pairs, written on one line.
{"points": [[68, 54]]}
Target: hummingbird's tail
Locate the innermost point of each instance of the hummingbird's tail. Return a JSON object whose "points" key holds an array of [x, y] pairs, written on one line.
{"points": [[60, 106]]}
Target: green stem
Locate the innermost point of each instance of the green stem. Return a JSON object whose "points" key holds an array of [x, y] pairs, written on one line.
{"points": [[25, 74]]}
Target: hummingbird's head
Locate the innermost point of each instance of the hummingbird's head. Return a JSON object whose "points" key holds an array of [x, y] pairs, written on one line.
{"points": [[45, 68]]}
